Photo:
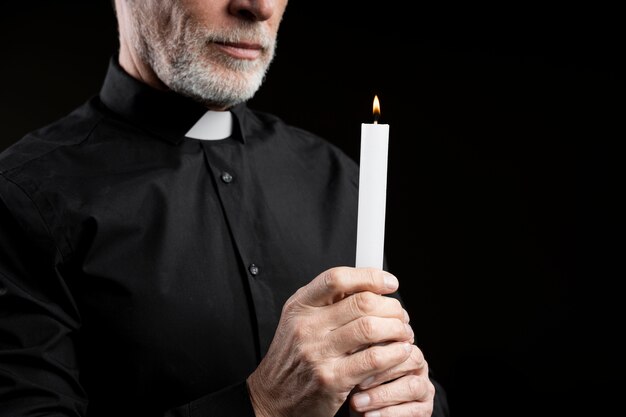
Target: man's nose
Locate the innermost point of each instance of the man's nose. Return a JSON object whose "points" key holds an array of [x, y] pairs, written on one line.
{"points": [[254, 10]]}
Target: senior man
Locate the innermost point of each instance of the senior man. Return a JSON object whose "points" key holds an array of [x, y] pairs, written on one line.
{"points": [[167, 251]]}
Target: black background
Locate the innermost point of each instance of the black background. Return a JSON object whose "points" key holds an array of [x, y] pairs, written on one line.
{"points": [[504, 222]]}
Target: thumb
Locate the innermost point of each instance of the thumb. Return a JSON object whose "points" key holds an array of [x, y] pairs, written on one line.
{"points": [[337, 283]]}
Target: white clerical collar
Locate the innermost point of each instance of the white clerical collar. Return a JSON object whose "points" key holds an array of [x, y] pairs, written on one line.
{"points": [[214, 125]]}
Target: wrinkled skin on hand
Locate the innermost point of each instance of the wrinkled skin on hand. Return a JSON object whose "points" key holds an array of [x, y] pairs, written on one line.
{"points": [[336, 333]]}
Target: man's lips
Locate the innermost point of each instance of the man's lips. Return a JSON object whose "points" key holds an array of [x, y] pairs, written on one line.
{"points": [[241, 50]]}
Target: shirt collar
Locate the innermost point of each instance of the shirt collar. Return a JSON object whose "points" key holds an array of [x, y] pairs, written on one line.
{"points": [[163, 113]]}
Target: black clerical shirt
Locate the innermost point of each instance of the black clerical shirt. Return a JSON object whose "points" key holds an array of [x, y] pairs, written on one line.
{"points": [[143, 272]]}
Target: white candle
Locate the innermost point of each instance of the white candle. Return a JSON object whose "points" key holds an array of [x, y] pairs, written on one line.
{"points": [[372, 192]]}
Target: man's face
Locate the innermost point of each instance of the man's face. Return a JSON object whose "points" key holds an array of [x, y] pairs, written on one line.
{"points": [[216, 51]]}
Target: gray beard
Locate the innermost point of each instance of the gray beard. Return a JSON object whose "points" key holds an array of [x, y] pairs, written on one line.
{"points": [[184, 63], [212, 86]]}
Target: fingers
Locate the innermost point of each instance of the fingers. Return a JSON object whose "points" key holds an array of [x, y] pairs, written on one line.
{"points": [[371, 361], [415, 364], [363, 304], [368, 330], [410, 395], [410, 409], [337, 283]]}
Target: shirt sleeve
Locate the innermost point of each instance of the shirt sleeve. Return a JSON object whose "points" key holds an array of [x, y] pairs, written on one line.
{"points": [[38, 319], [39, 323]]}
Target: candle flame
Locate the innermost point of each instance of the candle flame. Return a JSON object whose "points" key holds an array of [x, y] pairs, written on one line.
{"points": [[376, 109]]}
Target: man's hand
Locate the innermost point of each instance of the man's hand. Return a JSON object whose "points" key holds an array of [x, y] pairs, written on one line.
{"points": [[333, 334], [410, 392]]}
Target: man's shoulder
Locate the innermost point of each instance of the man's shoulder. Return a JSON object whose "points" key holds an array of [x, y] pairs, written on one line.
{"points": [[298, 136], [265, 121], [69, 130]]}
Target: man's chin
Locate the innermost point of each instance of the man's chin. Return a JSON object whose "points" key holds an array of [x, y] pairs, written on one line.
{"points": [[215, 99], [216, 83]]}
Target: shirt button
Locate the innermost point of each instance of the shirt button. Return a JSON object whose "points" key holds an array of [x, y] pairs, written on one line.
{"points": [[226, 177], [254, 270]]}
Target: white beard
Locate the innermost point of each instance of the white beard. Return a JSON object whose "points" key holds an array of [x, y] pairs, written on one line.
{"points": [[183, 59]]}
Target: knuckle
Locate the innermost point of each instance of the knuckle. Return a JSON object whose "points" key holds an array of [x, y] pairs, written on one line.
{"points": [[366, 302], [308, 356], [334, 280], [373, 358], [415, 386], [367, 328], [415, 364], [400, 327], [418, 357], [325, 377]]}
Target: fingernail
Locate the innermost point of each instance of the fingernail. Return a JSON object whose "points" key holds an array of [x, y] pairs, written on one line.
{"points": [[391, 282], [407, 347], [367, 382], [361, 400], [372, 414], [406, 316]]}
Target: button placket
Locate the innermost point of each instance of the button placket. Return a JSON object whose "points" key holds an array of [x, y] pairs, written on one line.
{"points": [[238, 204]]}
